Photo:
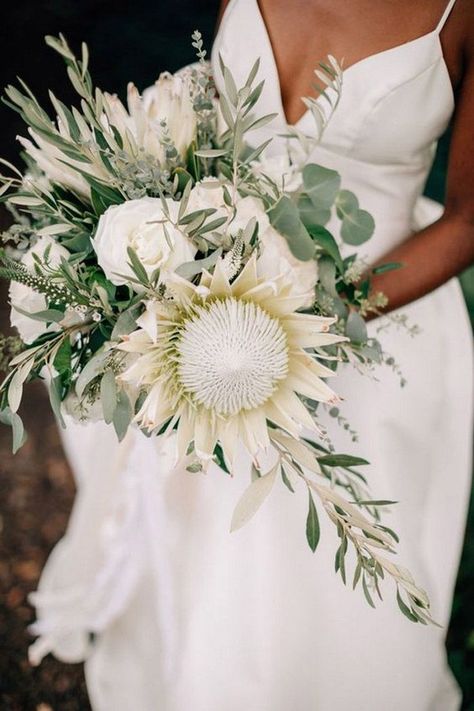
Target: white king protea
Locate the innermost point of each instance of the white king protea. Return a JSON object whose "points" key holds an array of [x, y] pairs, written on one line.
{"points": [[222, 360]]}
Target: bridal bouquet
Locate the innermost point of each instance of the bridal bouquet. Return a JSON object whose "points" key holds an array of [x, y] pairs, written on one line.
{"points": [[166, 276]]}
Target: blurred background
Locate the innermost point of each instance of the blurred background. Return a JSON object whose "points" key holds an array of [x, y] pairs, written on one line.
{"points": [[127, 41]]}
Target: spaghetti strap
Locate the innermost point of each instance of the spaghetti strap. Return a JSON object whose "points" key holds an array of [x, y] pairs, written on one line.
{"points": [[445, 15]]}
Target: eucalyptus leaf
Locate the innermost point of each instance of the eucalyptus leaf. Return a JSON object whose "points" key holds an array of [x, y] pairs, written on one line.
{"points": [[108, 395], [125, 324], [123, 414], [311, 214], [321, 184], [326, 241], [285, 218], [327, 276], [356, 328], [357, 225]]}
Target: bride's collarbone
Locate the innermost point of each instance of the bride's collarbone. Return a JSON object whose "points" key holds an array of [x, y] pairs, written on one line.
{"points": [[351, 31]]}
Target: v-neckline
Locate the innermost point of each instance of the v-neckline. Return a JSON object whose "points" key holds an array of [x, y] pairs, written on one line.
{"points": [[346, 71]]}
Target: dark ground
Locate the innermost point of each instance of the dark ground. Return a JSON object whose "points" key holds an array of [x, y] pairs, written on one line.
{"points": [[36, 494]]}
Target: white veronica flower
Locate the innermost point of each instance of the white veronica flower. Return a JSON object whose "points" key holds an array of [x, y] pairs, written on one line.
{"points": [[225, 359], [26, 298], [143, 225]]}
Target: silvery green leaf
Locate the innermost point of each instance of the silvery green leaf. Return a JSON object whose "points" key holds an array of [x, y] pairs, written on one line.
{"points": [[357, 225], [25, 200], [15, 389], [356, 328], [259, 123], [341, 460], [376, 502], [137, 267], [190, 269], [196, 217], [212, 225], [122, 415], [286, 480], [388, 267], [346, 203], [85, 58], [211, 153], [405, 609], [310, 213], [18, 431], [55, 395], [24, 354], [226, 112], [6, 187], [108, 395], [321, 184], [312, 525], [327, 276], [252, 498], [285, 218], [125, 324], [253, 155], [326, 241], [367, 594], [253, 73], [48, 315], [371, 350], [253, 97], [76, 82], [58, 229], [230, 87], [59, 46], [357, 573], [91, 370]]}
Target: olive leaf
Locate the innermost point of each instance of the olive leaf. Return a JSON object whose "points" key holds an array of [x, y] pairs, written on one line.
{"points": [[253, 497], [312, 524]]}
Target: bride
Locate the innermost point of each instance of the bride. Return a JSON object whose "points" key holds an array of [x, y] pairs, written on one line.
{"points": [[172, 612]]}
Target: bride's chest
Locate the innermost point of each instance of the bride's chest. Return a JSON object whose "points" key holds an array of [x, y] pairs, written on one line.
{"points": [[394, 103]]}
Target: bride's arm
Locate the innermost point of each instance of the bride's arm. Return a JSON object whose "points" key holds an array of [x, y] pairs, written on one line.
{"points": [[443, 250]]}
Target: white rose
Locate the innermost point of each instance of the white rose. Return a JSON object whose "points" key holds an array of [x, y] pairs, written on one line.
{"points": [[286, 175], [27, 298], [170, 99], [206, 194], [276, 258], [142, 225], [245, 209]]}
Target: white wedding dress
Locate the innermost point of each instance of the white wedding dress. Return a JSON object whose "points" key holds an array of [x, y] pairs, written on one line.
{"points": [[189, 617]]}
